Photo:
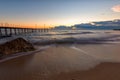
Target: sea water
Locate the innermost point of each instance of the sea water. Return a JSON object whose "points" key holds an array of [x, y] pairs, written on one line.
{"points": [[88, 35]]}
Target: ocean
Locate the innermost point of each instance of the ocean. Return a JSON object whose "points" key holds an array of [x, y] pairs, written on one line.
{"points": [[74, 36]]}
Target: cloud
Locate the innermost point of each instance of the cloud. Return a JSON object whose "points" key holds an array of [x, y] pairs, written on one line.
{"points": [[116, 8]]}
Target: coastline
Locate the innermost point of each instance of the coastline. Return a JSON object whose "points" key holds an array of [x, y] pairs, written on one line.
{"points": [[61, 62], [86, 59]]}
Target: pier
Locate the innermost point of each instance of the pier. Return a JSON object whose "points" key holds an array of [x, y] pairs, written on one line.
{"points": [[10, 31]]}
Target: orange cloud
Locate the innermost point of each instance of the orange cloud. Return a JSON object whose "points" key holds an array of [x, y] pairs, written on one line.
{"points": [[116, 8]]}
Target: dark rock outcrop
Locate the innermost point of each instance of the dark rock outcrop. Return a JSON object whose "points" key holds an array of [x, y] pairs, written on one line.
{"points": [[15, 46]]}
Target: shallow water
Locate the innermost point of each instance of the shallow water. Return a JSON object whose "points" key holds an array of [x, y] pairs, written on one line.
{"points": [[104, 52], [58, 59], [52, 61]]}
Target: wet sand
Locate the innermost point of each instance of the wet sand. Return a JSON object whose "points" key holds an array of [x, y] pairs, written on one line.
{"points": [[103, 71], [66, 62]]}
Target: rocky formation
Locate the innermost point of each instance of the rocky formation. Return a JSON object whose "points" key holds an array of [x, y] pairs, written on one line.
{"points": [[15, 46]]}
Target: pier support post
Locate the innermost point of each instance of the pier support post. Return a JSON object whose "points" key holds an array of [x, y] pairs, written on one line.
{"points": [[0, 32], [6, 33], [10, 31], [15, 31]]}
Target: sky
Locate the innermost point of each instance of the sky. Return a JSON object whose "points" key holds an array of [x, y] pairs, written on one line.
{"points": [[57, 12]]}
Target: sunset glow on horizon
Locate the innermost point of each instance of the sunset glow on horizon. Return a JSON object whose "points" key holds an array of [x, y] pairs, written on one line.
{"points": [[50, 13]]}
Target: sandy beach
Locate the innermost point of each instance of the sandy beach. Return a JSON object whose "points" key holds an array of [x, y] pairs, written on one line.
{"points": [[66, 62]]}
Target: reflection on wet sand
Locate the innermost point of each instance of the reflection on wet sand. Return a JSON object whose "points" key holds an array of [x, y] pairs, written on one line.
{"points": [[57, 60]]}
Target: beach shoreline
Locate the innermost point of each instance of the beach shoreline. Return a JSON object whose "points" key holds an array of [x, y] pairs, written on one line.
{"points": [[94, 60], [63, 62]]}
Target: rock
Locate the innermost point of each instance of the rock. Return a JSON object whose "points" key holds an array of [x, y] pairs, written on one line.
{"points": [[15, 46]]}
